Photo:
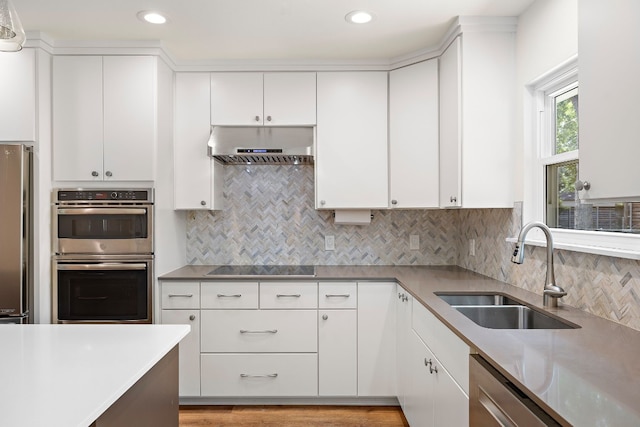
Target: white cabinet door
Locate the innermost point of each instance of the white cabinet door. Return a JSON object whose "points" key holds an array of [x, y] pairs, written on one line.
{"points": [[609, 58], [413, 136], [451, 404], [477, 107], [77, 118], [18, 89], [198, 178], [129, 117], [337, 353], [376, 339], [189, 348], [351, 147], [419, 400], [260, 375], [450, 131], [403, 330], [104, 118], [289, 99], [236, 99]]}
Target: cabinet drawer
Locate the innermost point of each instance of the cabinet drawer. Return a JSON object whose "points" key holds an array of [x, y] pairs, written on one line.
{"points": [[337, 295], [452, 352], [179, 295], [231, 295], [295, 295], [253, 331], [231, 375]]}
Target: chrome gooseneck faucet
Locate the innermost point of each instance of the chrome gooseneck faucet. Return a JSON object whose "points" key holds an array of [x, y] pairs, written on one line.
{"points": [[551, 291]]}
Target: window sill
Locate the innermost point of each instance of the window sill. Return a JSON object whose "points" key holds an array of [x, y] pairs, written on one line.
{"points": [[618, 245]]}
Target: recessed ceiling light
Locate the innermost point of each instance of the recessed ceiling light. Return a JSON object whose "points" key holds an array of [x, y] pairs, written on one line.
{"points": [[151, 17], [359, 17]]}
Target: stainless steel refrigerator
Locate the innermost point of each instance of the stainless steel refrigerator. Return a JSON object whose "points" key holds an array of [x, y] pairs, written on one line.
{"points": [[16, 233]]}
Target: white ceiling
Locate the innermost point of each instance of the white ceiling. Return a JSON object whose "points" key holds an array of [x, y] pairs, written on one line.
{"points": [[205, 30]]}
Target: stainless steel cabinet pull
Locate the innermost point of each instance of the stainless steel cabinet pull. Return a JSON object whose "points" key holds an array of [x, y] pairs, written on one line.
{"points": [[432, 367], [258, 376], [337, 295], [192, 317], [257, 118], [288, 295], [94, 173], [266, 331], [92, 298], [108, 173], [325, 317], [180, 295], [229, 296]]}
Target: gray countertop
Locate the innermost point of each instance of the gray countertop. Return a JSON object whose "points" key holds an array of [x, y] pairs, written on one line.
{"points": [[582, 377]]}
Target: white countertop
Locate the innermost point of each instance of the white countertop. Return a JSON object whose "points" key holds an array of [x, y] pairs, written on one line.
{"points": [[68, 375]]}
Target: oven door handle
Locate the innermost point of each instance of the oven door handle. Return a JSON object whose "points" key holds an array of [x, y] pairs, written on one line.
{"points": [[103, 266], [98, 211]]}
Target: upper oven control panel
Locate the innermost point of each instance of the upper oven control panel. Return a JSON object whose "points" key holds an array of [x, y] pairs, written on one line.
{"points": [[105, 195]]}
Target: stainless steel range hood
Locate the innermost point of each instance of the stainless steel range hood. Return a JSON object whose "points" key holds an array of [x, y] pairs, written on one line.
{"points": [[262, 145]]}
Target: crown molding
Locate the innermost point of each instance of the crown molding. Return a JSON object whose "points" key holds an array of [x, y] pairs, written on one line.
{"points": [[461, 24]]}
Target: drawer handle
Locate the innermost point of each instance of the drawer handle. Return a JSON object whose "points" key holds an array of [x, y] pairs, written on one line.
{"points": [[258, 375], [288, 295], [180, 295], [266, 331], [337, 295], [229, 296]]}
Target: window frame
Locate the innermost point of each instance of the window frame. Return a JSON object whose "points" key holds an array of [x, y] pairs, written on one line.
{"points": [[539, 135]]}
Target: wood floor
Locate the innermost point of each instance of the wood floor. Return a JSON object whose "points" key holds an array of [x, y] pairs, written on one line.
{"points": [[290, 416]]}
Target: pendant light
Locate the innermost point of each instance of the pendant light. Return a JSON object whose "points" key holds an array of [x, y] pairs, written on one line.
{"points": [[11, 32]]}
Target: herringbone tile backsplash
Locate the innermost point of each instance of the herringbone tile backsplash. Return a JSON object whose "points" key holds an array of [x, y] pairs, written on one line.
{"points": [[605, 286], [269, 218]]}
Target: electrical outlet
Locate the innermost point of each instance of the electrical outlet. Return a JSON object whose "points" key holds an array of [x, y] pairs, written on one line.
{"points": [[329, 243], [414, 242], [472, 247]]}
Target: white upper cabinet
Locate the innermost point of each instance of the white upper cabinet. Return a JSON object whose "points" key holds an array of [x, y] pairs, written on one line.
{"points": [[270, 99], [198, 178], [609, 66], [289, 99], [18, 89], [413, 141], [104, 118], [477, 104], [351, 146]]}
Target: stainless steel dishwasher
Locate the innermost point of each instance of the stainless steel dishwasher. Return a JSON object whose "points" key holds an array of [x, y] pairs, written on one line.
{"points": [[495, 401]]}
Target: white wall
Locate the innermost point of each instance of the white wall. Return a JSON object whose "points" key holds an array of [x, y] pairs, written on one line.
{"points": [[547, 36]]}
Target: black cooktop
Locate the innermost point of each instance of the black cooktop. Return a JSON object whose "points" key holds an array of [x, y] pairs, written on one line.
{"points": [[263, 270]]}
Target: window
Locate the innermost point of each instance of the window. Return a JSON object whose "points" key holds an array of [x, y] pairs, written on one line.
{"points": [[560, 162], [552, 167]]}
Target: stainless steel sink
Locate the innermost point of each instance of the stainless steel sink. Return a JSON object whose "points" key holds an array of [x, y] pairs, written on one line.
{"points": [[499, 311], [512, 317], [477, 299]]}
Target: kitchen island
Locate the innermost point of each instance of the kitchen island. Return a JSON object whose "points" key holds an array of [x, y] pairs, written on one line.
{"points": [[583, 376], [89, 375]]}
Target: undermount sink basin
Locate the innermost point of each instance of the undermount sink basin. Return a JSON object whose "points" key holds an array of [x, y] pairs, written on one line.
{"points": [[498, 311], [477, 299], [512, 317]]}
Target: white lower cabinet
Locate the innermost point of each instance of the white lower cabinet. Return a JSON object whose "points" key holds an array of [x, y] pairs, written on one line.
{"points": [[180, 303], [376, 339], [259, 331], [259, 375], [434, 372], [337, 353], [403, 303], [364, 339]]}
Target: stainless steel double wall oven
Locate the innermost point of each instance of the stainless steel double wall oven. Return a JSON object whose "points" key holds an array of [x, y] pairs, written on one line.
{"points": [[103, 255]]}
